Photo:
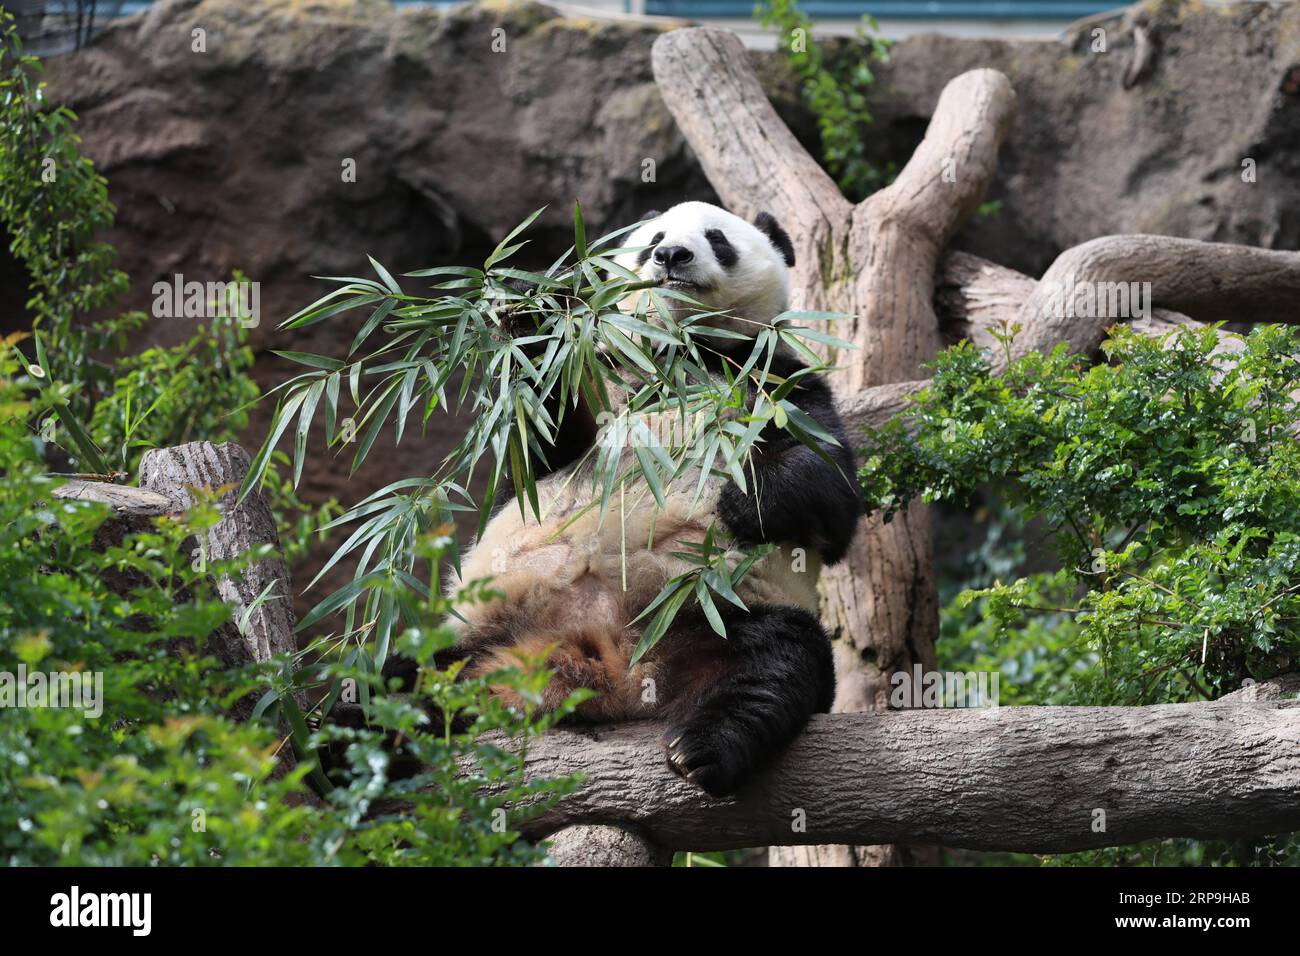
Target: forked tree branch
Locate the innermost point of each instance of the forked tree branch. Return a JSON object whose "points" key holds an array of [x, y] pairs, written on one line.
{"points": [[1206, 281], [946, 177], [750, 156], [1032, 779]]}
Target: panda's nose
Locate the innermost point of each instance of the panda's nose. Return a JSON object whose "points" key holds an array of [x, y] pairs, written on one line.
{"points": [[673, 256]]}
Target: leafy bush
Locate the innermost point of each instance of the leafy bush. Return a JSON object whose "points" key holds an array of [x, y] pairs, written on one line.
{"points": [[52, 204], [107, 413], [1167, 482], [168, 396], [163, 776]]}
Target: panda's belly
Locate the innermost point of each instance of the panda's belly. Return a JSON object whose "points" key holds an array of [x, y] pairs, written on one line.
{"points": [[572, 582], [573, 568]]}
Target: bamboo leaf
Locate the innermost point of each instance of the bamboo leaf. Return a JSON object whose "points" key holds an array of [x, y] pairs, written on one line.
{"points": [[710, 609], [304, 424], [306, 358], [279, 423], [579, 232], [392, 286], [662, 620]]}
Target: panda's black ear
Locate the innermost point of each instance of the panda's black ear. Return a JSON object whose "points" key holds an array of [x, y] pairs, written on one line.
{"points": [[767, 224], [652, 214]]}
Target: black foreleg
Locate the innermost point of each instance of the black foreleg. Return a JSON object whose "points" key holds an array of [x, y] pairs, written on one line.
{"points": [[773, 671]]}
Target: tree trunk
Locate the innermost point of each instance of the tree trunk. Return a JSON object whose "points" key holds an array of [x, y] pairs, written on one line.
{"points": [[874, 262], [171, 480], [178, 474]]}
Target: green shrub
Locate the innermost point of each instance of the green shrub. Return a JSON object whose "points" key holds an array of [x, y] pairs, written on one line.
{"points": [[1168, 483], [53, 205], [162, 775]]}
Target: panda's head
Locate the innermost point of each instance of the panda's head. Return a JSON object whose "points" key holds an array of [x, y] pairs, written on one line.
{"points": [[718, 259]]}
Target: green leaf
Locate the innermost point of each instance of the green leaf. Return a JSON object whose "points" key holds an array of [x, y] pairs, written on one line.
{"points": [[579, 232], [304, 425], [388, 280], [306, 358], [659, 626]]}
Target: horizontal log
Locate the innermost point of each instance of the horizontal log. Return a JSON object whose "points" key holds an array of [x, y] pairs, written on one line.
{"points": [[1033, 779], [123, 499]]}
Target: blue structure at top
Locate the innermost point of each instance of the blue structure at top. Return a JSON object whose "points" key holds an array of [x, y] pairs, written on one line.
{"points": [[897, 9]]}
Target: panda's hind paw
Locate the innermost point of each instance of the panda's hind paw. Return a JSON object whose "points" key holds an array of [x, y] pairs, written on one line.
{"points": [[697, 754]]}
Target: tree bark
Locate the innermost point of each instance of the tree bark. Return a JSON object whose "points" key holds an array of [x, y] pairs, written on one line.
{"points": [[606, 846], [170, 481], [178, 474], [1031, 779], [975, 298], [1206, 281]]}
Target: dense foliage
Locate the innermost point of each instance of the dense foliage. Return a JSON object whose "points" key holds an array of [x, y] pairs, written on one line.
{"points": [[52, 205], [1165, 483], [1168, 480], [103, 413], [162, 775]]}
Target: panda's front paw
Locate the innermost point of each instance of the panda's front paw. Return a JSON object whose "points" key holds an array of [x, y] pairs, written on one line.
{"points": [[701, 752], [739, 514]]}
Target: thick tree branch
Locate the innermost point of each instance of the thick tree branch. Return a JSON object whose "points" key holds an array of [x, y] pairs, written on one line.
{"points": [[975, 298], [1207, 281], [1015, 778], [606, 846], [942, 184], [873, 407], [750, 156], [874, 262]]}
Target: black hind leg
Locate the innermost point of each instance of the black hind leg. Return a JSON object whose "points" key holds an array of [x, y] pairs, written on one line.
{"points": [[771, 673]]}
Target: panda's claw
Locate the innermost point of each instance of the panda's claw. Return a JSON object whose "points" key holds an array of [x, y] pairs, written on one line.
{"points": [[694, 755]]}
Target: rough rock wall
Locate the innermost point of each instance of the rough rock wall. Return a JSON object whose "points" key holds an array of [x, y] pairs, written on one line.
{"points": [[1126, 141], [232, 157]]}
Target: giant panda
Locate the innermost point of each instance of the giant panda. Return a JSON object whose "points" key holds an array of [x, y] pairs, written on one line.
{"points": [[573, 584]]}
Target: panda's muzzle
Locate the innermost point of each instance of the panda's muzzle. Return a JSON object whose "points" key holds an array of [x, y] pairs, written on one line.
{"points": [[671, 256]]}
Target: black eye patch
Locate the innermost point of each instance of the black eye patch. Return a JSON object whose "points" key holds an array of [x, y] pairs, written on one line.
{"points": [[644, 254], [722, 248]]}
